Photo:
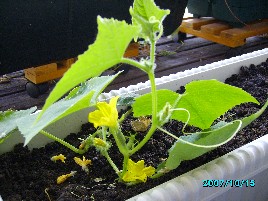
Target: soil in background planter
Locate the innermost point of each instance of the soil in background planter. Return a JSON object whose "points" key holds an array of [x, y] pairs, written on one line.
{"points": [[31, 175]]}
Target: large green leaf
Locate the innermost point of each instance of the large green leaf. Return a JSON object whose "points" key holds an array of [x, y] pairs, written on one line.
{"points": [[206, 100], [194, 145], [112, 40], [148, 15], [143, 104], [81, 97], [8, 121]]}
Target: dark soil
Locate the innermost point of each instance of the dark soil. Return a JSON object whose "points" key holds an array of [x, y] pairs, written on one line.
{"points": [[31, 175]]}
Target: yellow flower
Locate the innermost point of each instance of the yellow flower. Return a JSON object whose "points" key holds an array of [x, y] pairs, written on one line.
{"points": [[83, 163], [106, 115], [137, 171], [99, 142], [63, 178], [58, 157]]}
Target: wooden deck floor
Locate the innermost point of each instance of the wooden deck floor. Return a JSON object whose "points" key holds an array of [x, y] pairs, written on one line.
{"points": [[194, 52]]}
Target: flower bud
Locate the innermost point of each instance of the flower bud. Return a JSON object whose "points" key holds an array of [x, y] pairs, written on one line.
{"points": [[164, 114], [99, 142]]}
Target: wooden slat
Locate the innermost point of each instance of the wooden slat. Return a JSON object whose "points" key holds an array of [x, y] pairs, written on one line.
{"points": [[247, 31], [215, 28], [48, 72], [196, 23], [222, 33]]}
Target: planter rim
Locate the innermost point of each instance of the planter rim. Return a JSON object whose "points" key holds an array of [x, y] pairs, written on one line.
{"points": [[246, 162]]}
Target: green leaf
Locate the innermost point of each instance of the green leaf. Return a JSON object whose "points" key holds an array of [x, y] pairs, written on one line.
{"points": [[206, 100], [85, 96], [112, 40], [194, 145], [148, 15], [143, 104], [9, 119]]}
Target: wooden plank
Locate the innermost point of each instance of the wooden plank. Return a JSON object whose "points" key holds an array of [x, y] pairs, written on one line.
{"points": [[186, 46], [196, 23], [66, 63], [215, 28], [48, 72], [246, 31], [14, 86], [41, 73], [222, 33], [214, 38], [21, 100]]}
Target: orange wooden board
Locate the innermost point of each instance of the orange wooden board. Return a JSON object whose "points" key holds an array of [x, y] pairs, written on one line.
{"points": [[222, 33], [48, 72]]}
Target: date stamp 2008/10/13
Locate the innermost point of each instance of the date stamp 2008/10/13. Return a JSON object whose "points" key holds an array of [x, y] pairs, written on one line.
{"points": [[228, 182]]}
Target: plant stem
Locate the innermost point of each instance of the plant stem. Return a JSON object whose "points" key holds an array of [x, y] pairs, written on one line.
{"points": [[154, 98], [125, 165], [153, 85], [158, 174], [154, 102], [144, 140], [170, 134], [152, 53], [105, 152], [123, 148], [106, 155], [79, 151], [120, 141], [134, 63], [125, 115]]}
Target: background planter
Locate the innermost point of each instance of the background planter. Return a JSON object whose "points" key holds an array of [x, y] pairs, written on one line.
{"points": [[235, 12], [200, 8], [249, 162]]}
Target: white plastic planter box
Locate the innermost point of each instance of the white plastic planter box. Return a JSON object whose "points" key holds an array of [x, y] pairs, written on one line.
{"points": [[245, 163]]}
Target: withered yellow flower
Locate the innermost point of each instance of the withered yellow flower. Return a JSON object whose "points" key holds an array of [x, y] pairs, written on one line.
{"points": [[106, 115], [60, 157], [83, 163], [64, 177], [137, 171]]}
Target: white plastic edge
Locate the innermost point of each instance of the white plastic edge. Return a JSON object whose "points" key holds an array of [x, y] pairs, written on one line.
{"points": [[241, 164]]}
